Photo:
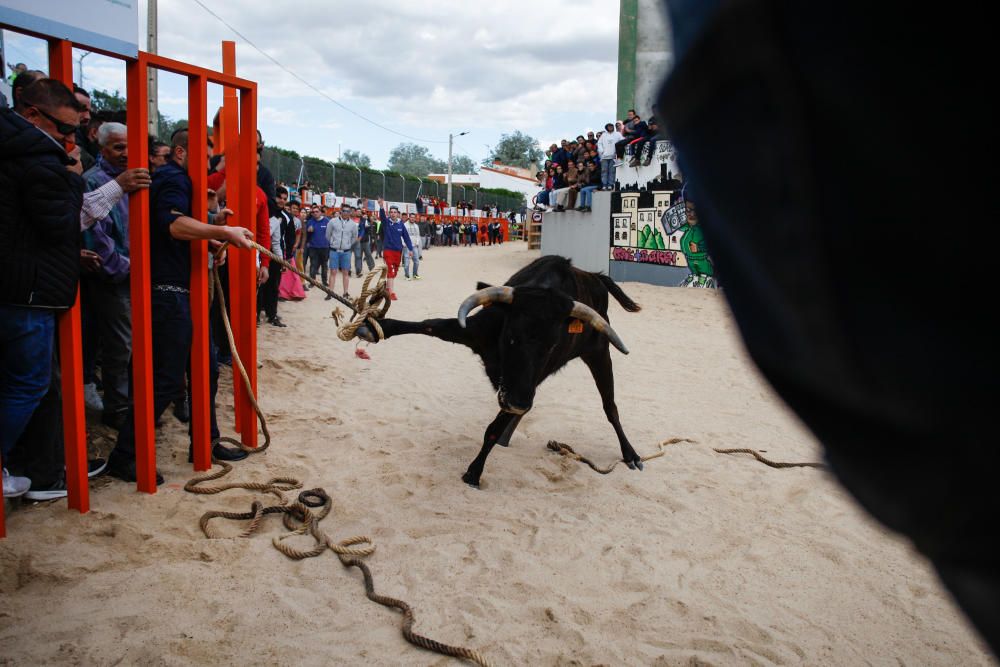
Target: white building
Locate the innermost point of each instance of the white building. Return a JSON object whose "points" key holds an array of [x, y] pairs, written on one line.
{"points": [[495, 176]]}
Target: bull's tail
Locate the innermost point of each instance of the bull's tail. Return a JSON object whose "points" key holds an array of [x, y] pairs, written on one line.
{"points": [[620, 296]]}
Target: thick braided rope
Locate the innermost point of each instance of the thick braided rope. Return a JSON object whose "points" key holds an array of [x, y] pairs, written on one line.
{"points": [[768, 462], [368, 308], [300, 518], [569, 452], [248, 387], [566, 450]]}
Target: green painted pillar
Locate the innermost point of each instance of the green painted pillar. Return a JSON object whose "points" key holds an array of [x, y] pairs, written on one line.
{"points": [[627, 44]]}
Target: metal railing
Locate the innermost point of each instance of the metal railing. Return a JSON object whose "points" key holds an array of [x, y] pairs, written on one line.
{"points": [[371, 183]]}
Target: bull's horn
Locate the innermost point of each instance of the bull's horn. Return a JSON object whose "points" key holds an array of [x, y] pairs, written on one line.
{"points": [[483, 297], [587, 314]]}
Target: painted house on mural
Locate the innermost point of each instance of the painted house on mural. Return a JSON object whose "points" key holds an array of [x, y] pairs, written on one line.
{"points": [[494, 176]]}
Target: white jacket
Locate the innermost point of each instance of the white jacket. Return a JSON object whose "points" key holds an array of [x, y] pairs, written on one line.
{"points": [[606, 144], [414, 231]]}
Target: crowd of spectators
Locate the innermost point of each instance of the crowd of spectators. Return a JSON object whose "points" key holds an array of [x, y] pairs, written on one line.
{"points": [[574, 169]]}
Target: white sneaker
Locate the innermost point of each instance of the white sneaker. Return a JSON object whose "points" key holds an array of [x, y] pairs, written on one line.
{"points": [[14, 487], [91, 398]]}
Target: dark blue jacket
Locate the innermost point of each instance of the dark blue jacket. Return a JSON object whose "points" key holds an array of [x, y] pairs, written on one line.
{"points": [[393, 234], [169, 199], [40, 203]]}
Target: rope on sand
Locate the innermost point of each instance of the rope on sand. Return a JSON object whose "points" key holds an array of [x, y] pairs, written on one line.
{"points": [[565, 450], [310, 508]]}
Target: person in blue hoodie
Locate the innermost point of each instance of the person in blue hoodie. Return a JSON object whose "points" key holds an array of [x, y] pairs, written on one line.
{"points": [[394, 235]]}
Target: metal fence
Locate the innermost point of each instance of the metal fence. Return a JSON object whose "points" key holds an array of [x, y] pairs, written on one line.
{"points": [[355, 182]]}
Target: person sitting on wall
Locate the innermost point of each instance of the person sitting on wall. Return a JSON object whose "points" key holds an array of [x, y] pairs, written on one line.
{"points": [[644, 147]]}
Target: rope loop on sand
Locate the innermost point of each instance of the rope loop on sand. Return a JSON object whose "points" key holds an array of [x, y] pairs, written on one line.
{"points": [[311, 507]]}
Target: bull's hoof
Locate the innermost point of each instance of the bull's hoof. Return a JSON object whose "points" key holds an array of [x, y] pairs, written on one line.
{"points": [[634, 464], [471, 480]]}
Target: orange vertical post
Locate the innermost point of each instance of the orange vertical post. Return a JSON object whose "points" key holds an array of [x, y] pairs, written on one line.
{"points": [[248, 279], [237, 259], [198, 171], [70, 345], [139, 276]]}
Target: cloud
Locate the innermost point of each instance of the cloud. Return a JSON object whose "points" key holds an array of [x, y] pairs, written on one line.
{"points": [[432, 64]]}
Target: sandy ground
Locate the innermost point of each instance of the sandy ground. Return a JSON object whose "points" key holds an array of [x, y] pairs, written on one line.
{"points": [[701, 559]]}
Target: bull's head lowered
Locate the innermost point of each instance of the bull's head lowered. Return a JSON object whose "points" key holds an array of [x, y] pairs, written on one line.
{"points": [[534, 328]]}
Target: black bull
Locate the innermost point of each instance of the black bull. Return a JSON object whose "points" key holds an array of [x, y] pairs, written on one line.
{"points": [[528, 333]]}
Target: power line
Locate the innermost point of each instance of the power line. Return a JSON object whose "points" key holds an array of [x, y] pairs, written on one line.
{"points": [[309, 85]]}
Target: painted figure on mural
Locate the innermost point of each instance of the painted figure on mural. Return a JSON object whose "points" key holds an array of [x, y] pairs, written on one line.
{"points": [[684, 218]]}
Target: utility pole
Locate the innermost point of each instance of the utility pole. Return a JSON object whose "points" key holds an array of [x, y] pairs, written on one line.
{"points": [[79, 62], [451, 139], [154, 118]]}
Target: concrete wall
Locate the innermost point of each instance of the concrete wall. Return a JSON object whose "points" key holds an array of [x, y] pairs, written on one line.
{"points": [[654, 54], [645, 55], [666, 276], [583, 237]]}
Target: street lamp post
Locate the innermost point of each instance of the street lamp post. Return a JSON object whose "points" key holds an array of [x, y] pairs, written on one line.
{"points": [[451, 138]]}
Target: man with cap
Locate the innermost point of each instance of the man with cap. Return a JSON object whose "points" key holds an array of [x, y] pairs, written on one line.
{"points": [[394, 235]]}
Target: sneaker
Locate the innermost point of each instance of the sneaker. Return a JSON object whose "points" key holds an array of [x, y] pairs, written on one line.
{"points": [[328, 297], [347, 295], [276, 322], [91, 398], [96, 467], [53, 492], [408, 277], [416, 277], [14, 486], [125, 470], [393, 297]]}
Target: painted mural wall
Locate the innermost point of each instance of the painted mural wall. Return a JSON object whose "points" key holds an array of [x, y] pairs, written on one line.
{"points": [[651, 224]]}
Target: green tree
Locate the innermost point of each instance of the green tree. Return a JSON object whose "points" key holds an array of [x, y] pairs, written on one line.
{"points": [[462, 164], [416, 160], [356, 158], [102, 100], [517, 150]]}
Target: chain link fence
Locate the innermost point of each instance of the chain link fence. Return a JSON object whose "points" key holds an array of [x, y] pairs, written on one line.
{"points": [[371, 183]]}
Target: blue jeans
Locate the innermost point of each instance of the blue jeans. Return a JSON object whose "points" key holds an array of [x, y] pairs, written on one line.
{"points": [[26, 339], [414, 256], [587, 195], [172, 336], [608, 172], [542, 198]]}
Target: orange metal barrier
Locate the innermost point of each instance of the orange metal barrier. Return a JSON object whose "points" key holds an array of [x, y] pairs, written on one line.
{"points": [[240, 121]]}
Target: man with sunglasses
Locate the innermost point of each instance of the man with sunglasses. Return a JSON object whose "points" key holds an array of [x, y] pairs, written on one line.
{"points": [[40, 252]]}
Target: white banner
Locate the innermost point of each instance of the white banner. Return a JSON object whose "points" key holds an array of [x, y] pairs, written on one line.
{"points": [[107, 25]]}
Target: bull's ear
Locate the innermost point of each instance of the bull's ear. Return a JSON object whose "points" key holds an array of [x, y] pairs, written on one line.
{"points": [[481, 285]]}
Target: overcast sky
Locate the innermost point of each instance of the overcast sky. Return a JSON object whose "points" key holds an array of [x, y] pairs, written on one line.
{"points": [[422, 69]]}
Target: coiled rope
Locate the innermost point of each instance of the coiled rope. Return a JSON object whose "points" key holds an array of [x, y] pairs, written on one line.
{"points": [[299, 517]]}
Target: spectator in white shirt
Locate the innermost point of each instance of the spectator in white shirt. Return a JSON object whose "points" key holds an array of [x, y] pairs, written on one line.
{"points": [[606, 150]]}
